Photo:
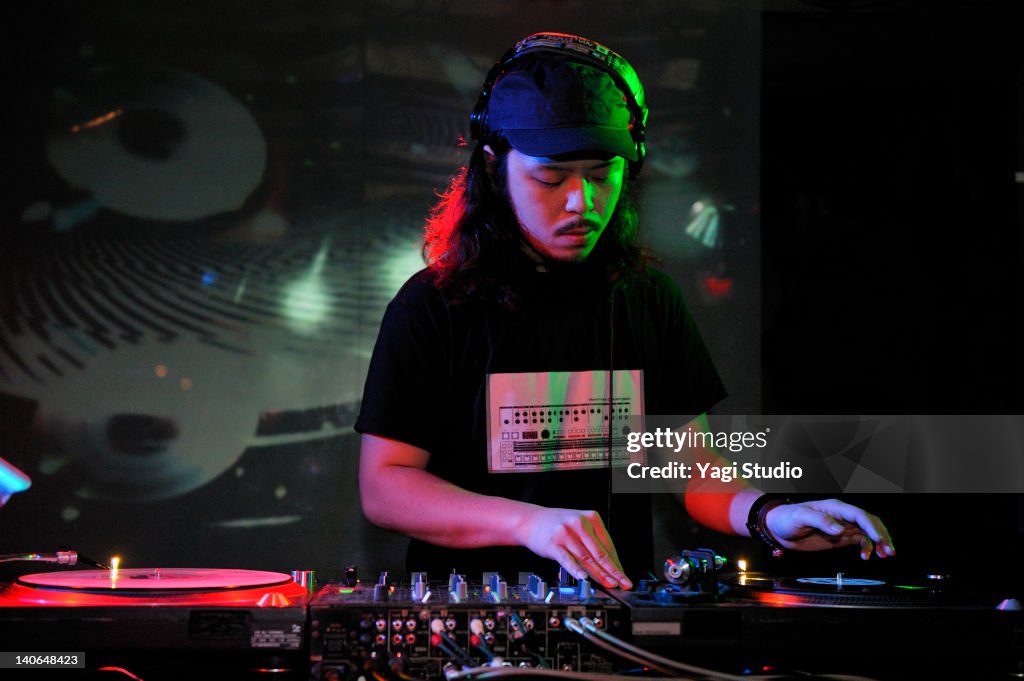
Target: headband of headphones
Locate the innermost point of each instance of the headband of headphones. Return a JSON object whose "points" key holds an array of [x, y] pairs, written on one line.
{"points": [[578, 49]]}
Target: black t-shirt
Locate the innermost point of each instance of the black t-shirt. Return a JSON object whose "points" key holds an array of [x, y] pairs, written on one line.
{"points": [[428, 377]]}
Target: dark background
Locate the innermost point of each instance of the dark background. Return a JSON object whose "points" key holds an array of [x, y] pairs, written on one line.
{"points": [[891, 133]]}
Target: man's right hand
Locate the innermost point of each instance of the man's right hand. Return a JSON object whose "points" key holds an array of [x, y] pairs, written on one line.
{"points": [[398, 494], [578, 541]]}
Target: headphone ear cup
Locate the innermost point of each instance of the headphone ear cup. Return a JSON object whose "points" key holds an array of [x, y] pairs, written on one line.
{"points": [[477, 125], [641, 152]]}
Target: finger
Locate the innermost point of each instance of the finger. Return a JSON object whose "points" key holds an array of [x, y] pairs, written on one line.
{"points": [[869, 523], [885, 542], [608, 562], [884, 548], [595, 558], [599, 545], [566, 560], [598, 567], [822, 521], [872, 525], [601, 536], [866, 546], [878, 533]]}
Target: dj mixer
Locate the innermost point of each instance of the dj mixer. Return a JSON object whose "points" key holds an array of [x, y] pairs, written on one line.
{"points": [[698, 620]]}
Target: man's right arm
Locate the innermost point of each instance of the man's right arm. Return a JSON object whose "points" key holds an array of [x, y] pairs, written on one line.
{"points": [[399, 494]]}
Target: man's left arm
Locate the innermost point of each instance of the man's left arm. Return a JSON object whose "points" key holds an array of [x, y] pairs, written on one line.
{"points": [[805, 526]]}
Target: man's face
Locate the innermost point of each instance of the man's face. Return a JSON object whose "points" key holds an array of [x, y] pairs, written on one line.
{"points": [[563, 207]]}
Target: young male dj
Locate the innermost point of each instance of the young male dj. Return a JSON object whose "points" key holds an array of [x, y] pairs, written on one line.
{"points": [[537, 293]]}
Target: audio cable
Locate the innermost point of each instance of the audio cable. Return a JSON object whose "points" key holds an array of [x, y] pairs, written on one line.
{"points": [[477, 636], [574, 626], [653, 660], [519, 637], [484, 673], [443, 642], [500, 672]]}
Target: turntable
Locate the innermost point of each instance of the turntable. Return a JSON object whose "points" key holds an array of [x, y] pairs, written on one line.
{"points": [[896, 628], [843, 590], [159, 623]]}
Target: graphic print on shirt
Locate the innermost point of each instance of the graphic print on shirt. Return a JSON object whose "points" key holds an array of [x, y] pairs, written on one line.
{"points": [[560, 420]]}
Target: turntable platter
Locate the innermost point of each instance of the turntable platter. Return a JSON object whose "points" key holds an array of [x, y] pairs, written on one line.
{"points": [[162, 624], [154, 579], [842, 591], [836, 582], [155, 586]]}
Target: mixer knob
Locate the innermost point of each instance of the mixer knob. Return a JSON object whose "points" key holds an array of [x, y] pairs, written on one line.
{"points": [[419, 585], [453, 580], [381, 592], [537, 587], [419, 590], [458, 589]]}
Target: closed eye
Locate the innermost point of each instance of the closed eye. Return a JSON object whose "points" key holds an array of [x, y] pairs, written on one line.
{"points": [[548, 182]]}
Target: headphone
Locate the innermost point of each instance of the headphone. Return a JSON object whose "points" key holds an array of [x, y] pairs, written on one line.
{"points": [[578, 49]]}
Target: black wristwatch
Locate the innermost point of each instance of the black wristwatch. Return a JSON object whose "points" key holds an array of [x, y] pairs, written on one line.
{"points": [[756, 524]]}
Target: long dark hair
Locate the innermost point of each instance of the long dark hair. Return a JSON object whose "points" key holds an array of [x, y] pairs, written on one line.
{"points": [[472, 239]]}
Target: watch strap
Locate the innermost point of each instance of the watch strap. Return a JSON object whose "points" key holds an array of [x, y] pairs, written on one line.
{"points": [[756, 521]]}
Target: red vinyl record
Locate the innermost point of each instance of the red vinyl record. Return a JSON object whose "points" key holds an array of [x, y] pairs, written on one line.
{"points": [[154, 579]]}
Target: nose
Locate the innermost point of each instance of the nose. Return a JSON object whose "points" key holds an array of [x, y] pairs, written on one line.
{"points": [[579, 195]]}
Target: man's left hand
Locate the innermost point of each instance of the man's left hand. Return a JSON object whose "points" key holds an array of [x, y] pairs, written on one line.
{"points": [[829, 524]]}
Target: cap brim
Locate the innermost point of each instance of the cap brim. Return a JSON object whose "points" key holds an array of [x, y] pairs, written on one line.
{"points": [[558, 141]]}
